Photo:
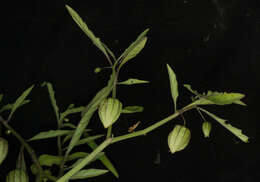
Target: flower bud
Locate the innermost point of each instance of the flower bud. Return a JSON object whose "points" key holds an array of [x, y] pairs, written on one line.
{"points": [[178, 138], [3, 149], [17, 176], [109, 111], [206, 128]]}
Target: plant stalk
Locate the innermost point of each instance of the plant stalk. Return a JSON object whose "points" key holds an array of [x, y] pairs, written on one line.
{"points": [[26, 145]]}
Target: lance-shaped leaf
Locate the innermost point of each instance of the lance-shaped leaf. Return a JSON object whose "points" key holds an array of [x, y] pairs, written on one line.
{"points": [[20, 100], [104, 159], [88, 173], [237, 132], [133, 49], [10, 106], [1, 97], [53, 100], [49, 160], [224, 98], [174, 85], [109, 51], [89, 111], [85, 161], [87, 139], [79, 160], [132, 81], [50, 134], [132, 109], [188, 87], [70, 111], [96, 41]]}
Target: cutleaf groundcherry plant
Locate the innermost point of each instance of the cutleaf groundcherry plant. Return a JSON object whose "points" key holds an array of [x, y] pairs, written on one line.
{"points": [[72, 163]]}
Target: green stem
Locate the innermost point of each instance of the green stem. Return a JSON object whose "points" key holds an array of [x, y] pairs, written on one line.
{"points": [[85, 161], [109, 131], [152, 127], [26, 145]]}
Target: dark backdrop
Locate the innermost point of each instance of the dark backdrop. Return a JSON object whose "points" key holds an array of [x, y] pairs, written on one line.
{"points": [[209, 44]]}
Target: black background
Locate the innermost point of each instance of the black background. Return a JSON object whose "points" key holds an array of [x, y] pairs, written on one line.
{"points": [[212, 45]]}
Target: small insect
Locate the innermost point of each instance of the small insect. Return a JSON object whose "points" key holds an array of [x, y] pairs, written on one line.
{"points": [[132, 128]]}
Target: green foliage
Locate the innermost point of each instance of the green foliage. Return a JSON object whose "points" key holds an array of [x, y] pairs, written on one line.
{"points": [[174, 86], [19, 101], [74, 165], [132, 81]]}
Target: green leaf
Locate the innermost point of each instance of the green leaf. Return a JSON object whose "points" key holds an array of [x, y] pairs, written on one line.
{"points": [[190, 89], [109, 51], [237, 132], [85, 161], [132, 51], [53, 100], [102, 94], [174, 85], [70, 111], [96, 41], [19, 101], [79, 160], [1, 97], [224, 98], [132, 109], [132, 81], [88, 173], [87, 139], [49, 160], [89, 111], [105, 160], [50, 134], [10, 106]]}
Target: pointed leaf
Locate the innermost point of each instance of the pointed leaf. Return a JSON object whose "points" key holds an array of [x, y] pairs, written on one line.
{"points": [[10, 106], [98, 156], [237, 132], [49, 160], [224, 98], [85, 161], [88, 173], [132, 109], [133, 50], [87, 139], [174, 85], [70, 111], [50, 134], [187, 86], [133, 45], [20, 100], [104, 159], [132, 81], [96, 41], [52, 98], [89, 111], [109, 51]]}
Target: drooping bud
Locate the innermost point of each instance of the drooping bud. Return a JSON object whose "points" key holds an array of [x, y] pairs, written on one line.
{"points": [[17, 176], [109, 111], [206, 128], [178, 138], [3, 149]]}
